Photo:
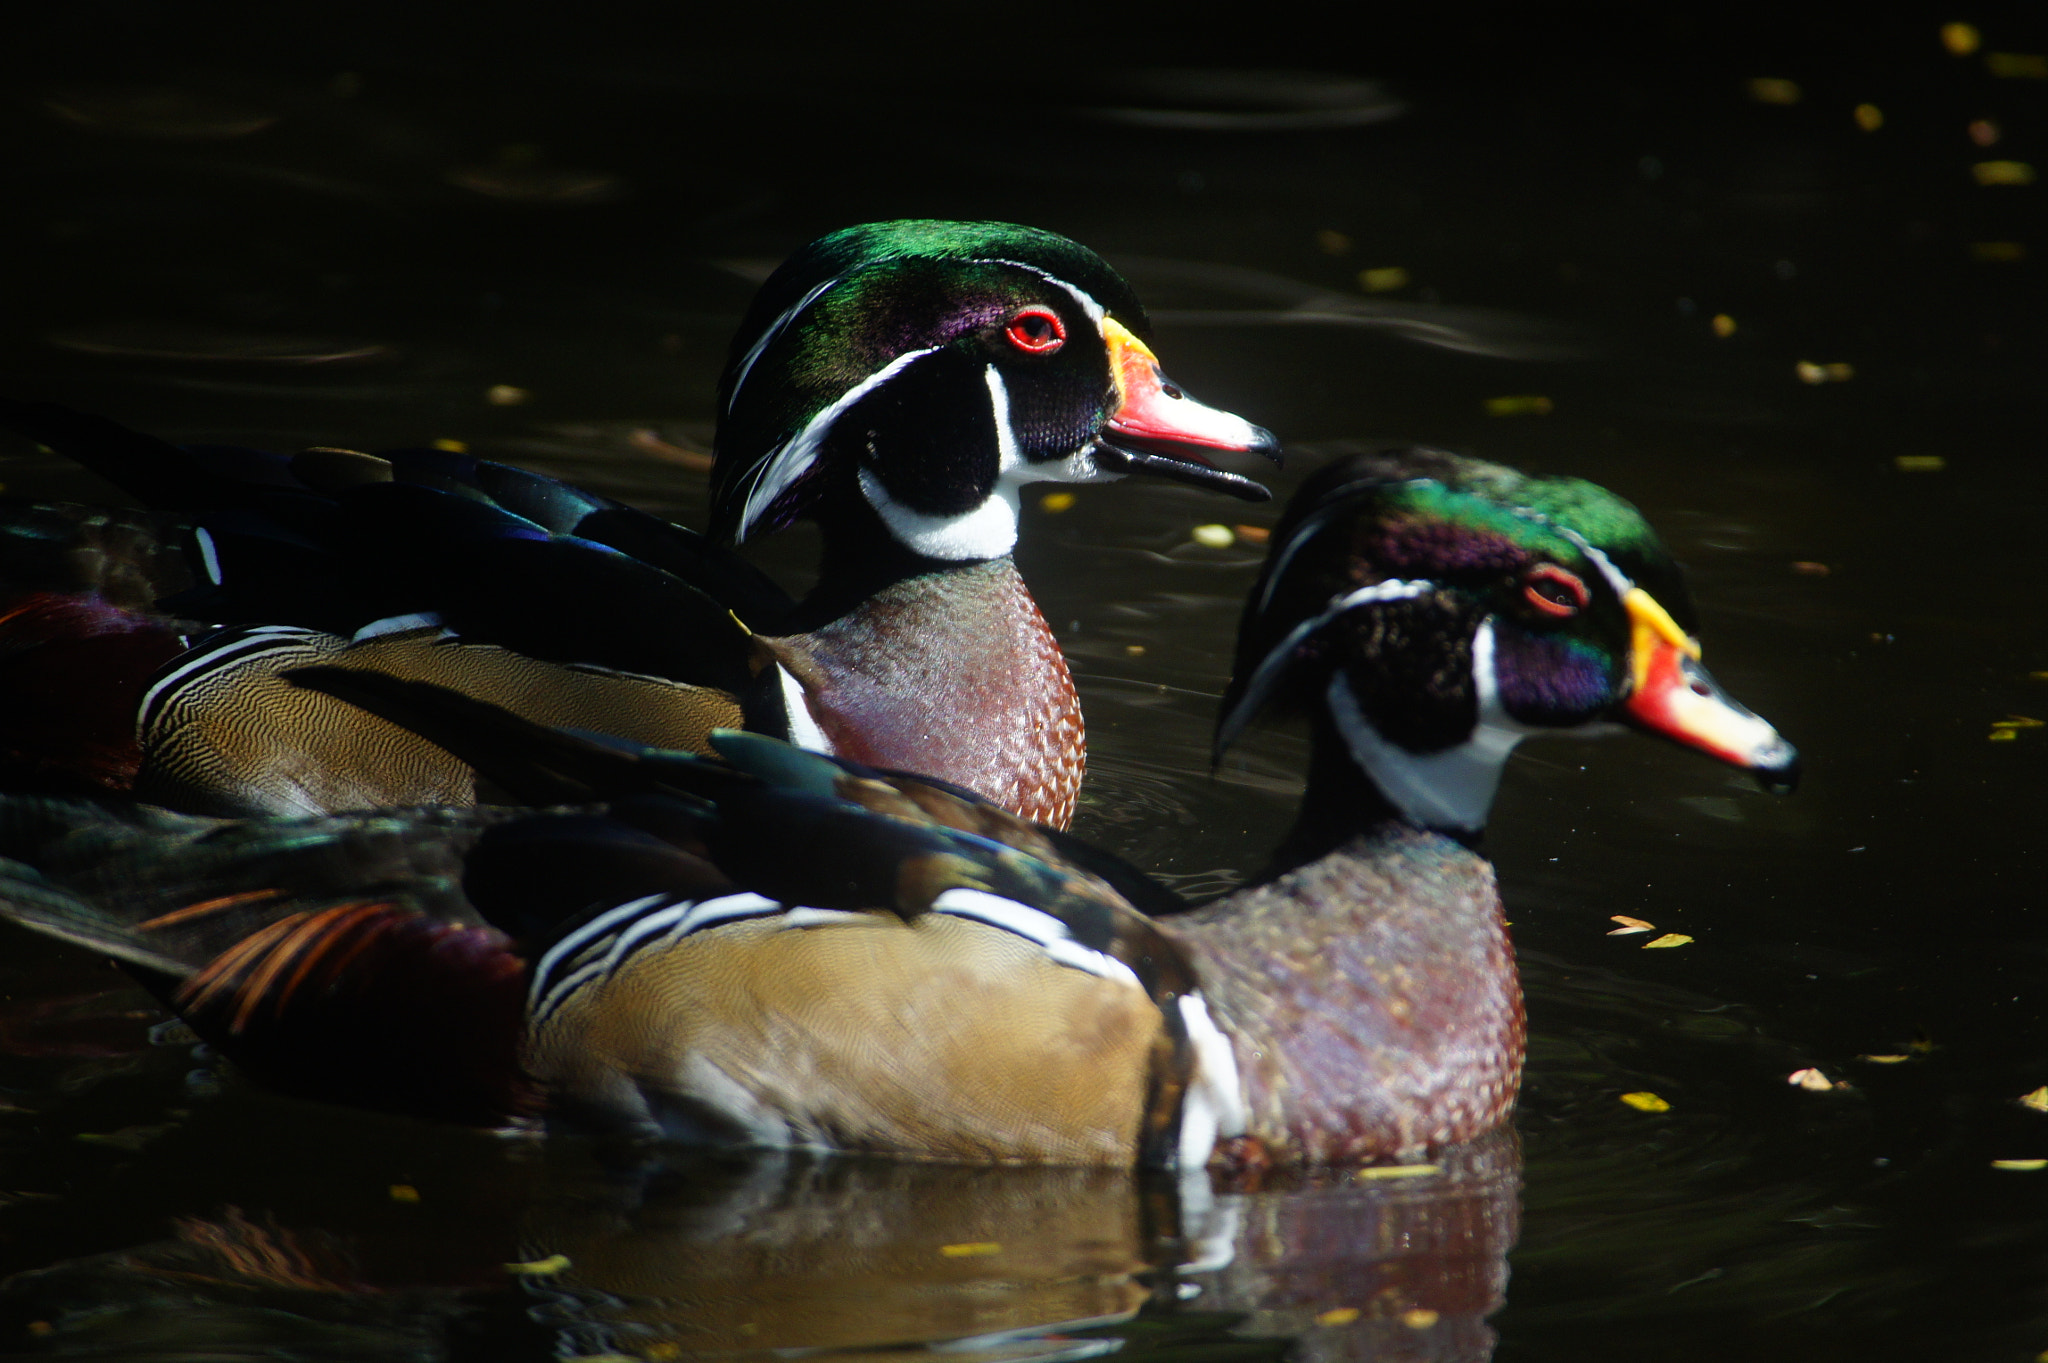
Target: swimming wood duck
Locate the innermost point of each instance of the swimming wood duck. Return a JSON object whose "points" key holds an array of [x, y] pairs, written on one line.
{"points": [[929, 975], [897, 382]]}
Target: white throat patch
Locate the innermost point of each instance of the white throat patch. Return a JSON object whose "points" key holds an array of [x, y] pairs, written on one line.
{"points": [[1451, 790]]}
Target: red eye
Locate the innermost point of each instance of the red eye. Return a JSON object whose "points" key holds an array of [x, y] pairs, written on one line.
{"points": [[1554, 591], [1036, 331]]}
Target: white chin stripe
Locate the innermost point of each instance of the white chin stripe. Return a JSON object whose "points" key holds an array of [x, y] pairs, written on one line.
{"points": [[1451, 790], [987, 531]]}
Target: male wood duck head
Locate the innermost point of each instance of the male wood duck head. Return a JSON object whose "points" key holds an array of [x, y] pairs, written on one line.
{"points": [[918, 373], [899, 382], [933, 976]]}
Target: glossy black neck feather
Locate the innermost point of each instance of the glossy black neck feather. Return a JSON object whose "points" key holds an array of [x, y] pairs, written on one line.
{"points": [[858, 558], [1340, 803]]}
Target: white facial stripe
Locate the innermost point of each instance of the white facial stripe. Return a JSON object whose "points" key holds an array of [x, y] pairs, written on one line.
{"points": [[803, 726], [1616, 578], [1281, 654], [775, 329], [1452, 789], [778, 471], [1094, 309], [1008, 456]]}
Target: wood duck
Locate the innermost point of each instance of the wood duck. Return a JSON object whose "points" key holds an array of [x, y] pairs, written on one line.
{"points": [[786, 948], [897, 382]]}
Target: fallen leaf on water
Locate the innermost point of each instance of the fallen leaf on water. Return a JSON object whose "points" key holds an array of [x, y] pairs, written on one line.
{"points": [[2025, 1166], [973, 1249], [648, 441], [1057, 501], [539, 1268], [1834, 371], [1723, 325], [1984, 132], [1519, 404], [1884, 1059], [2019, 722], [1213, 536], [1960, 39], [1998, 252], [1332, 243], [2003, 173], [2037, 1100], [1919, 463], [1773, 90], [1383, 280], [1379, 1171], [447, 446], [1669, 939], [1253, 534], [1629, 925], [1342, 1315], [506, 395], [404, 1192], [1808, 568], [2017, 65], [1869, 117], [1645, 1102], [1419, 1318], [1812, 1080]]}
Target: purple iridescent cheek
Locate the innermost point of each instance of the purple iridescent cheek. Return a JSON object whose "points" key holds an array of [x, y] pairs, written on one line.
{"points": [[1549, 679]]}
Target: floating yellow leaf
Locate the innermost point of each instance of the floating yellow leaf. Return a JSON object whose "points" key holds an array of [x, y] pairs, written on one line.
{"points": [[1213, 536], [1629, 925], [539, 1268], [1723, 325], [2017, 65], [1835, 371], [1669, 939], [1523, 404], [2025, 1166], [2018, 722], [505, 395], [404, 1192], [1998, 252], [1961, 39], [2037, 1100], [2002, 736], [1808, 568], [1057, 501], [1869, 117], [1134, 650], [1385, 279], [1813, 1081], [1376, 1172], [451, 446], [1419, 1318], [1342, 1315], [2003, 173], [1253, 534], [973, 1249], [1919, 463], [1774, 90], [1645, 1102], [1332, 243], [1884, 1059]]}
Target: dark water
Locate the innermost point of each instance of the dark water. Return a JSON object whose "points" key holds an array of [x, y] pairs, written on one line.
{"points": [[347, 231]]}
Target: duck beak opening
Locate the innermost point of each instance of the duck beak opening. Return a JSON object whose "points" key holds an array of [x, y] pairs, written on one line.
{"points": [[1673, 695], [1158, 428]]}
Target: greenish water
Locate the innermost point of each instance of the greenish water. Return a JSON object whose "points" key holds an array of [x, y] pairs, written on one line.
{"points": [[350, 233]]}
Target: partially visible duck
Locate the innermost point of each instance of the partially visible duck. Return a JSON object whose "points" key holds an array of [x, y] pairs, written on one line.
{"points": [[789, 949], [897, 382]]}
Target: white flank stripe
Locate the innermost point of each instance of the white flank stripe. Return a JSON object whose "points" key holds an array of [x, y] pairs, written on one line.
{"points": [[781, 468], [203, 662], [821, 918], [804, 730], [590, 932], [209, 553], [1034, 925], [396, 624]]}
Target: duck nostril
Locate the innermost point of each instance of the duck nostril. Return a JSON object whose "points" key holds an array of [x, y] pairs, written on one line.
{"points": [[1171, 390], [1702, 689]]}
